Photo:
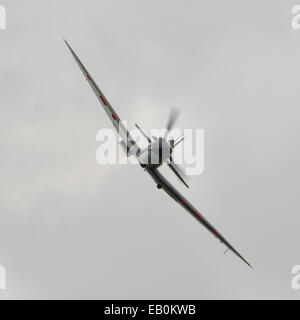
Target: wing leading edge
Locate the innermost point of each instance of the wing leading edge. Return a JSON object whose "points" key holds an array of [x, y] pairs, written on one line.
{"points": [[173, 193], [112, 115]]}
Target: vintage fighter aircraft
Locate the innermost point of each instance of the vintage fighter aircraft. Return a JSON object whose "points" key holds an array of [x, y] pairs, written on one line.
{"points": [[157, 153]]}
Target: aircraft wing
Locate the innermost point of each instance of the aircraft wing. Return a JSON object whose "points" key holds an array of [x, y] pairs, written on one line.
{"points": [[112, 115], [172, 192]]}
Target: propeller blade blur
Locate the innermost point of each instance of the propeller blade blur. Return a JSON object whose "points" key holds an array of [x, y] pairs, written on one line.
{"points": [[174, 114]]}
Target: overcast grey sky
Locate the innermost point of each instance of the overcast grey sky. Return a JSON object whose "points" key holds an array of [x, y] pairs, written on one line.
{"points": [[70, 228]]}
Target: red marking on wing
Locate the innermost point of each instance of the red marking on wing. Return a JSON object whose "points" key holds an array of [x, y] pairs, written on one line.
{"points": [[103, 100], [195, 212], [89, 77], [114, 116], [199, 215]]}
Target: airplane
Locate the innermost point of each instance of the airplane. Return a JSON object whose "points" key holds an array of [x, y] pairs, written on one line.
{"points": [[158, 152]]}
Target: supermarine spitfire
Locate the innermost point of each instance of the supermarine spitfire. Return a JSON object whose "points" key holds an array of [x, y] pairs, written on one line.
{"points": [[158, 152]]}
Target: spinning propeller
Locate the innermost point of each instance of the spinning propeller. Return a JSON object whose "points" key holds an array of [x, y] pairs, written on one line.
{"points": [[178, 170]]}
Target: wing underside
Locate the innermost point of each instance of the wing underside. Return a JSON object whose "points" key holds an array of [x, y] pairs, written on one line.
{"points": [[173, 193]]}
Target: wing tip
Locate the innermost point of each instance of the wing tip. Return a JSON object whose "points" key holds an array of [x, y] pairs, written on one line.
{"points": [[240, 256], [66, 42], [247, 262]]}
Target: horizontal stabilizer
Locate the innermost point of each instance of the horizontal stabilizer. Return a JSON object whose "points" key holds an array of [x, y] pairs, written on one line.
{"points": [[178, 172]]}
